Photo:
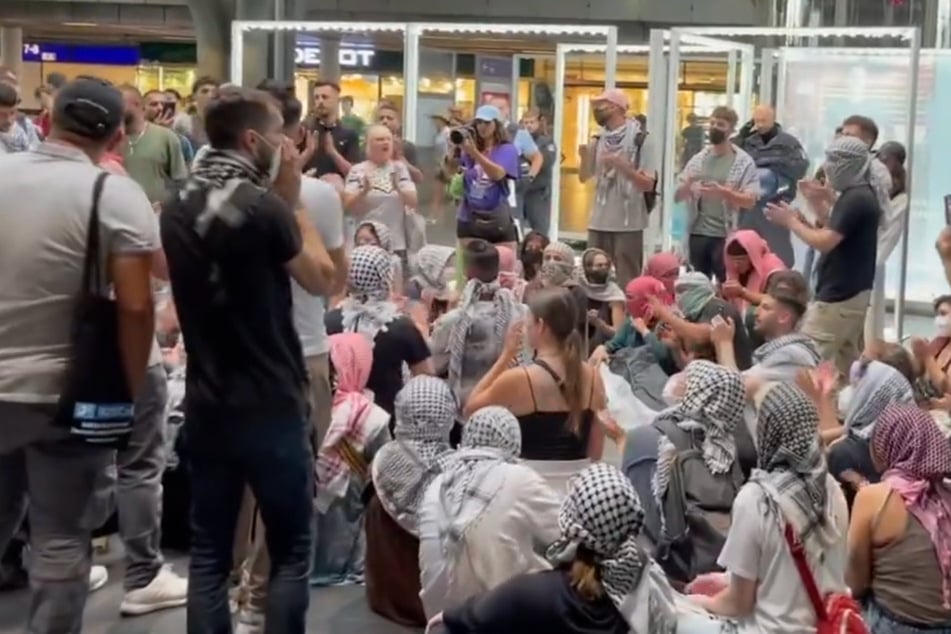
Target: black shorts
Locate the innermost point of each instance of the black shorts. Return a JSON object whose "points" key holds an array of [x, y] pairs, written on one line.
{"points": [[505, 232]]}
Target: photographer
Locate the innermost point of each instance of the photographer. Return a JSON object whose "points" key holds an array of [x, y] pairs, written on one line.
{"points": [[487, 164]]}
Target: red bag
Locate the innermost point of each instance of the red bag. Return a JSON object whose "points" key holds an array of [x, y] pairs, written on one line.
{"points": [[837, 613]]}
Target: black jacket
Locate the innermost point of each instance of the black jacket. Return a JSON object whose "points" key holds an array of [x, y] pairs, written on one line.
{"points": [[779, 151]]}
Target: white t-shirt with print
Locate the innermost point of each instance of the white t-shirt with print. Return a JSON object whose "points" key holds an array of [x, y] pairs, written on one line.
{"points": [[756, 549]]}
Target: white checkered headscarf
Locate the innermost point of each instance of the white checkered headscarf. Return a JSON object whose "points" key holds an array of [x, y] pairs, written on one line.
{"points": [[368, 309], [847, 163], [602, 514], [880, 385], [470, 479], [381, 232], [431, 264], [404, 467], [713, 403], [790, 465]]}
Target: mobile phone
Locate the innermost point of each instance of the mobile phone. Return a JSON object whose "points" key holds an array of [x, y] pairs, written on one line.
{"points": [[947, 209], [168, 109]]}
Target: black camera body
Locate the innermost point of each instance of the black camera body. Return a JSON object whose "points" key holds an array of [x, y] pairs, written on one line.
{"points": [[459, 134]]}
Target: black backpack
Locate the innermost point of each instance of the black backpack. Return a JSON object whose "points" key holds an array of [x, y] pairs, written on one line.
{"points": [[696, 508], [650, 198]]}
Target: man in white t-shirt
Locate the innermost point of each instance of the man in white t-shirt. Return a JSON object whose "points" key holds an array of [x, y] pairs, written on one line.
{"points": [[325, 210]]}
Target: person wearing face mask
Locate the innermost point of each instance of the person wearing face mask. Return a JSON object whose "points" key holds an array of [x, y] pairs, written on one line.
{"points": [[604, 307], [718, 183], [151, 154], [235, 237], [848, 244], [624, 171], [935, 356]]}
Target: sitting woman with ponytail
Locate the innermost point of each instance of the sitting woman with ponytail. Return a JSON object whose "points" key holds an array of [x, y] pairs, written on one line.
{"points": [[556, 397]]}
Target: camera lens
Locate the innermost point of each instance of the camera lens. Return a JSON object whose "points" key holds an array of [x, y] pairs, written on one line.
{"points": [[456, 136]]}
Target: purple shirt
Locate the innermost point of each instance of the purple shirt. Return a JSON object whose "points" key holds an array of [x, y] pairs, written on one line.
{"points": [[482, 193]]}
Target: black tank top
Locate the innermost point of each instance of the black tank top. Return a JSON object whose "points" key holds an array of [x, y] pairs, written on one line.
{"points": [[547, 435]]}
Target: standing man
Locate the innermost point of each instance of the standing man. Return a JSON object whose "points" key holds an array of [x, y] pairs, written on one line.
{"points": [[41, 263], [718, 183], [536, 199], [192, 124], [234, 238], [338, 147], [349, 119], [389, 116], [160, 109], [151, 154], [848, 241], [623, 174], [22, 134]]}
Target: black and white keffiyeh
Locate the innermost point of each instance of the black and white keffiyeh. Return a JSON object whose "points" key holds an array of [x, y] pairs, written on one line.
{"points": [[221, 172], [881, 385], [790, 467], [848, 162], [491, 437], [713, 402], [381, 232], [606, 292], [430, 270], [603, 515], [558, 267], [795, 344], [368, 308], [505, 312], [402, 469]]}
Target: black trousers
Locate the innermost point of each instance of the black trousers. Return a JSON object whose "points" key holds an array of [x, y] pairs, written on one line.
{"points": [[706, 256]]}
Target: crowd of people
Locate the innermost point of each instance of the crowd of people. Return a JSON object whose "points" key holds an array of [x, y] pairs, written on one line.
{"points": [[448, 425]]}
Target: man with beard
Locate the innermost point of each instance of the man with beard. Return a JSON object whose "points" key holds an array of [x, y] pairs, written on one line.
{"points": [[151, 154], [338, 147], [781, 163], [536, 199], [718, 182]]}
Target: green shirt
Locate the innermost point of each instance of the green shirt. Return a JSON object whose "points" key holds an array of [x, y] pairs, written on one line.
{"points": [[713, 219], [154, 160], [355, 123]]}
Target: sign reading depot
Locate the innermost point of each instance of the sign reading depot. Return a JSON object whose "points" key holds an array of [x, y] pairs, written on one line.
{"points": [[349, 57]]}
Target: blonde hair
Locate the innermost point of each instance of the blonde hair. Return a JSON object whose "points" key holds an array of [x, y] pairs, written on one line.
{"points": [[586, 579]]}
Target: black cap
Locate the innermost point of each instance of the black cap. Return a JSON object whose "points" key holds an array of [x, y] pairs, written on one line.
{"points": [[91, 108]]}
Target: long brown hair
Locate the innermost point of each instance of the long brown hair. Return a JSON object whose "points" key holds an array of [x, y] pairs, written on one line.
{"points": [[557, 309], [499, 136]]}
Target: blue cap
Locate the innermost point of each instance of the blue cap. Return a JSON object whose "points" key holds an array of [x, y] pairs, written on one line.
{"points": [[488, 113]]}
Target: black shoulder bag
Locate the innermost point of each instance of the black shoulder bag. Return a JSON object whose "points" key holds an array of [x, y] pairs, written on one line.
{"points": [[95, 403]]}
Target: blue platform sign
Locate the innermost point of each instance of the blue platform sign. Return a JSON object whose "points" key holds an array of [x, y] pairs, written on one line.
{"points": [[81, 54]]}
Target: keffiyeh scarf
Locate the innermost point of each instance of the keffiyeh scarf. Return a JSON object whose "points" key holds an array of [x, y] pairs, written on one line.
{"points": [[431, 263], [621, 141], [607, 292], [879, 386], [352, 357], [221, 172], [505, 311], [558, 268], [847, 163], [776, 351], [381, 232], [491, 437], [918, 459], [368, 309], [790, 466], [603, 514], [403, 468], [693, 292], [713, 403]]}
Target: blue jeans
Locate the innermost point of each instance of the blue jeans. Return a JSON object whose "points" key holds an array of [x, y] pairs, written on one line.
{"points": [[274, 458]]}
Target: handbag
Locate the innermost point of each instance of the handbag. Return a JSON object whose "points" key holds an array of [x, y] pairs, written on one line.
{"points": [[96, 403], [836, 613]]}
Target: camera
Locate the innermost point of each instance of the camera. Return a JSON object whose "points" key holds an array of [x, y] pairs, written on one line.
{"points": [[459, 135]]}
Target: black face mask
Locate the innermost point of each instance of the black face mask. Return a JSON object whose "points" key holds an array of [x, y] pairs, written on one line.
{"points": [[597, 276], [601, 117], [716, 136]]}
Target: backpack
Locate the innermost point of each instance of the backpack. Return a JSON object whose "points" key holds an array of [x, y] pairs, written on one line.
{"points": [[650, 198], [836, 613], [696, 508]]}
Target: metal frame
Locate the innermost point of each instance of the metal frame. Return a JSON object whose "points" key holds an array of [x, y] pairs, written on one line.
{"points": [[910, 34]]}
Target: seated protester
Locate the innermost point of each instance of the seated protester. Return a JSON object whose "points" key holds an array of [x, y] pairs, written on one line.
{"points": [[485, 516], [603, 583], [530, 255], [605, 299], [639, 327], [376, 234], [559, 270], [555, 398], [876, 385], [749, 264], [666, 268], [401, 471], [699, 304], [764, 593], [358, 429], [900, 534], [468, 339], [935, 356], [709, 414], [433, 274], [508, 273], [369, 310]]}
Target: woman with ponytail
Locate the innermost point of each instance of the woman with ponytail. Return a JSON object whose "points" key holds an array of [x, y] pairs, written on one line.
{"points": [[555, 397]]}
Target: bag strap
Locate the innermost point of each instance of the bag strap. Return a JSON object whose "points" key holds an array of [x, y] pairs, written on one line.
{"points": [[551, 372], [92, 265], [808, 580]]}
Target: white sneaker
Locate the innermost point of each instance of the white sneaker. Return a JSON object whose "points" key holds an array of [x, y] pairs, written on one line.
{"points": [[250, 623], [167, 590], [98, 577]]}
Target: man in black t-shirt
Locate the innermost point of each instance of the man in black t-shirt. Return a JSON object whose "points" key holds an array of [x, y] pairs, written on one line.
{"points": [[848, 241], [233, 238], [337, 147]]}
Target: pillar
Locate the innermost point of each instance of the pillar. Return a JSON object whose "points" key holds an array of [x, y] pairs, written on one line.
{"points": [[257, 49], [330, 57], [212, 20], [11, 48]]}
